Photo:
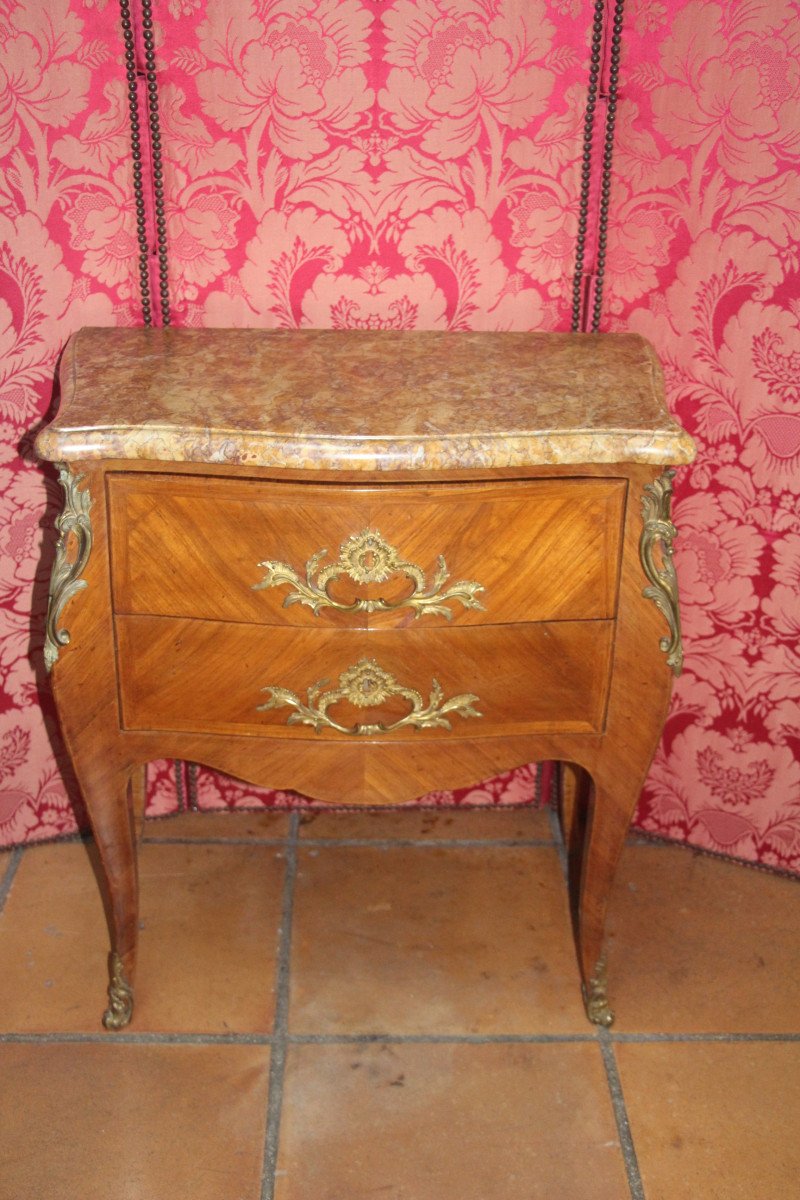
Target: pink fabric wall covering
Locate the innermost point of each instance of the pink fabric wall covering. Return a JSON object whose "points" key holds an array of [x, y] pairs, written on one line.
{"points": [[66, 259], [703, 260], [344, 163]]}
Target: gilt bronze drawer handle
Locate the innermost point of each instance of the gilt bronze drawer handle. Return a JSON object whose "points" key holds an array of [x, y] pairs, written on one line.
{"points": [[659, 530], [367, 557], [365, 685]]}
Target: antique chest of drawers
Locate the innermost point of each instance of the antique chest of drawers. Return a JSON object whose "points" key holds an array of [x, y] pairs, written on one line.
{"points": [[363, 566]]}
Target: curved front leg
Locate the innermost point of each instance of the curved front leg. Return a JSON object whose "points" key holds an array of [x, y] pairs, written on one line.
{"points": [[637, 709], [108, 793], [611, 804], [79, 651]]}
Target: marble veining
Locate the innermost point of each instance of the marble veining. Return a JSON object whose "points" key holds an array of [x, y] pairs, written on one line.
{"points": [[362, 401]]}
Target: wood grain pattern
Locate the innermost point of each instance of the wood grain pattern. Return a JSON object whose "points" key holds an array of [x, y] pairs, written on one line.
{"points": [[208, 676], [544, 550], [85, 690], [637, 707], [566, 659], [169, 665]]}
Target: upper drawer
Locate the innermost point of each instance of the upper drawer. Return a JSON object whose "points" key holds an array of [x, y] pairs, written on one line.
{"points": [[360, 557]]}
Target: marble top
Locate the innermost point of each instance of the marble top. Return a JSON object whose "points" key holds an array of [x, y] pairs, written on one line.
{"points": [[362, 400]]}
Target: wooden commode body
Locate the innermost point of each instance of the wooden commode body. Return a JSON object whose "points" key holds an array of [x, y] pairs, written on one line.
{"points": [[364, 566]]}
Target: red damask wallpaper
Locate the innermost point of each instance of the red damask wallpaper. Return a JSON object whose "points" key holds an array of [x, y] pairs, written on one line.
{"points": [[415, 164], [703, 260]]}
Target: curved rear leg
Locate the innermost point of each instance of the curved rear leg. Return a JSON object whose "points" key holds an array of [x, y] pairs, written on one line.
{"points": [[573, 798], [110, 796], [139, 796]]}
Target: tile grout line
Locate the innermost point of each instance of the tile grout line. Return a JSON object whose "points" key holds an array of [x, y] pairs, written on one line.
{"points": [[631, 1039], [149, 840], [277, 1064], [376, 843], [480, 1039], [604, 1040], [123, 1038], [438, 1039], [14, 859], [443, 843], [349, 1039], [298, 1039], [621, 1117]]}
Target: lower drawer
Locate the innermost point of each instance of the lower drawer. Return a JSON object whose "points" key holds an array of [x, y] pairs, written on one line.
{"points": [[219, 677]]}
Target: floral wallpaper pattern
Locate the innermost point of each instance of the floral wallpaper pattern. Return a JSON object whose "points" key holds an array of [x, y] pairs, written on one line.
{"points": [[355, 164], [67, 259], [45, 81], [414, 164], [706, 206]]}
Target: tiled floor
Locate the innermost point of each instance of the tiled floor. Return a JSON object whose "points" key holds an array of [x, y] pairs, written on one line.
{"points": [[387, 1005]]}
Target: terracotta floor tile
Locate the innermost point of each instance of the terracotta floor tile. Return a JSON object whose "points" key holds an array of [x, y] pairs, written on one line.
{"points": [[86, 1122], [423, 1122], [712, 1121], [219, 826], [209, 928], [700, 945], [432, 940], [467, 825]]}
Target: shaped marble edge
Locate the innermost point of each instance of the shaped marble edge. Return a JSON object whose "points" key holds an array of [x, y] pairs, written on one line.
{"points": [[152, 439], [168, 444]]}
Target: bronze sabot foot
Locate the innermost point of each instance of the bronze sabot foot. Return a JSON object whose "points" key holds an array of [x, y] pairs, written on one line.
{"points": [[120, 997]]}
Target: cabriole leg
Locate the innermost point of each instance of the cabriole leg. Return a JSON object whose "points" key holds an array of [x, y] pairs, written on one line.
{"points": [[139, 796], [573, 798], [608, 818], [108, 794]]}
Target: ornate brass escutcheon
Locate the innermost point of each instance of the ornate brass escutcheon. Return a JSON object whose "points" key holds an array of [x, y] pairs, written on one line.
{"points": [[367, 557], [65, 579], [366, 685], [659, 530]]}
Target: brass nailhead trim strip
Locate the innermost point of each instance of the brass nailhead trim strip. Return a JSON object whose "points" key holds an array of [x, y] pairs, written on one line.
{"points": [[158, 170], [608, 154], [132, 73], [593, 91], [136, 154]]}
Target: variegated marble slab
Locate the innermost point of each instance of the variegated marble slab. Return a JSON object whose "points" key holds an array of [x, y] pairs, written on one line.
{"points": [[362, 401]]}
